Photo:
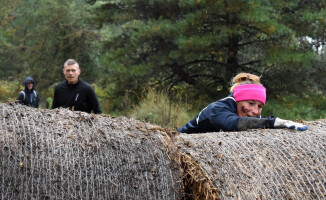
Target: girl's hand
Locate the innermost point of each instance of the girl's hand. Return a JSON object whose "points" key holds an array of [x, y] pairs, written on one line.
{"points": [[281, 123]]}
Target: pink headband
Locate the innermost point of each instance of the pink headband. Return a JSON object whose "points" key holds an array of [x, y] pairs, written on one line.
{"points": [[250, 92]]}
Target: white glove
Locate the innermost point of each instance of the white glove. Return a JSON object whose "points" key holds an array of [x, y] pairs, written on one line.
{"points": [[281, 123]]}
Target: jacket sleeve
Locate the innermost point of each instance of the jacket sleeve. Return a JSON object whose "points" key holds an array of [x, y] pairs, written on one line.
{"points": [[37, 100], [20, 98], [95, 105], [227, 120], [55, 99], [224, 119], [246, 123]]}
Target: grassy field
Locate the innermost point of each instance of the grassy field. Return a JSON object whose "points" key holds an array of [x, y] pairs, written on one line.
{"points": [[309, 107]]}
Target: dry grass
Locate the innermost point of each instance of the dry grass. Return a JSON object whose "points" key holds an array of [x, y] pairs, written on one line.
{"points": [[197, 183]]}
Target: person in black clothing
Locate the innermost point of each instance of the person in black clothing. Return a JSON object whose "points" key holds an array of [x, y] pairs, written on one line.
{"points": [[75, 93], [28, 96]]}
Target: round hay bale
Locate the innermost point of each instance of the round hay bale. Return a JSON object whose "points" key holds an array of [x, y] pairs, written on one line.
{"points": [[260, 164], [60, 154]]}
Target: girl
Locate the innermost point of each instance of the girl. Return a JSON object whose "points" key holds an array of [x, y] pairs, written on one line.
{"points": [[239, 111]]}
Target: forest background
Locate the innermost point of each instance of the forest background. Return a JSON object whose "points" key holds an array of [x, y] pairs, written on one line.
{"points": [[162, 61]]}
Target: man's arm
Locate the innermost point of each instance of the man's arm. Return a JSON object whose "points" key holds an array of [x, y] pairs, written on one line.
{"points": [[94, 103], [20, 98], [55, 99], [37, 100]]}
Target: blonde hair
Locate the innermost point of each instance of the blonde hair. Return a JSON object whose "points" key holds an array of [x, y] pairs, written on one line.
{"points": [[244, 78]]}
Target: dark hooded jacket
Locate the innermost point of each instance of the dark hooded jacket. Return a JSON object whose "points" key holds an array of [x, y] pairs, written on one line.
{"points": [[222, 116], [29, 97]]}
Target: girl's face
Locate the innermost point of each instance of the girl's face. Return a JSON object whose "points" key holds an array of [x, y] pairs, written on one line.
{"points": [[251, 108]]}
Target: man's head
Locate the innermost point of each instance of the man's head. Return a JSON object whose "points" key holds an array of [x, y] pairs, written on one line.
{"points": [[29, 83], [71, 71]]}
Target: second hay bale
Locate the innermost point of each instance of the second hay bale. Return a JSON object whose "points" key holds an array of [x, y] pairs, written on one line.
{"points": [[262, 164]]}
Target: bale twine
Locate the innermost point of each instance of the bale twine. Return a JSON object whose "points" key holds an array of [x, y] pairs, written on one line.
{"points": [[60, 154], [262, 164]]}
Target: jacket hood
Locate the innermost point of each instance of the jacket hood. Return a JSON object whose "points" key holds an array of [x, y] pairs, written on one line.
{"points": [[28, 80]]}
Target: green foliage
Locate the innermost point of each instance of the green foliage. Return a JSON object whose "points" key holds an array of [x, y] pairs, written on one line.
{"points": [[293, 107], [45, 96], [103, 99], [203, 44], [9, 90], [194, 46], [49, 101], [37, 37], [157, 108]]}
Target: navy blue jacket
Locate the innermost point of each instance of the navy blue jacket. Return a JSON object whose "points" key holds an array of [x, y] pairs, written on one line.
{"points": [[80, 96], [29, 97], [222, 116]]}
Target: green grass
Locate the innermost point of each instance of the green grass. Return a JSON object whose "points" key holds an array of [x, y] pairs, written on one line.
{"points": [[156, 108], [309, 107], [9, 90]]}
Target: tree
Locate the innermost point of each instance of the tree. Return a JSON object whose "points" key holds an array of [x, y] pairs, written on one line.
{"points": [[37, 37], [202, 44]]}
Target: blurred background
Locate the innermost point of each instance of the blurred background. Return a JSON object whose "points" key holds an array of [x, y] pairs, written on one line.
{"points": [[162, 61]]}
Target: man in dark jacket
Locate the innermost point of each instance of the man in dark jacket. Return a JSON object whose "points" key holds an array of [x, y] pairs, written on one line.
{"points": [[75, 93], [29, 96]]}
